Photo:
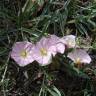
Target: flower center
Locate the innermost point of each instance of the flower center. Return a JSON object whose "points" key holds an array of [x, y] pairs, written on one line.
{"points": [[43, 51], [78, 61], [23, 54], [70, 43]]}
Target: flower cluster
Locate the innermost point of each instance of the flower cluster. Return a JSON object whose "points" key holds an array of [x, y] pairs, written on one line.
{"points": [[25, 52]]}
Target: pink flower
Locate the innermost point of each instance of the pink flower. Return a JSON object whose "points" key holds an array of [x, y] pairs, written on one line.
{"points": [[55, 45], [69, 41], [22, 53], [41, 53], [79, 56], [47, 47]]}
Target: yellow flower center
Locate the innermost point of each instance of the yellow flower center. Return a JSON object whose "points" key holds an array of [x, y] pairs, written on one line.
{"points": [[43, 51], [78, 61], [70, 43], [23, 54]]}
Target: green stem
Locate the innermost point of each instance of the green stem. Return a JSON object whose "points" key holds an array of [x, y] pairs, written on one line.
{"points": [[3, 77]]}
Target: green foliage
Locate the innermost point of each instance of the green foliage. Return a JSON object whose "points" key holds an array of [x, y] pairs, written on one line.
{"points": [[26, 20]]}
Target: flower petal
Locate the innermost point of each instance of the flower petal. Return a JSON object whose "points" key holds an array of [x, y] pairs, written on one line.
{"points": [[69, 40], [16, 53], [81, 54]]}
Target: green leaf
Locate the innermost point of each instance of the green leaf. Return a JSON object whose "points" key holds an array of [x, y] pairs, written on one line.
{"points": [[53, 91], [30, 31], [56, 90]]}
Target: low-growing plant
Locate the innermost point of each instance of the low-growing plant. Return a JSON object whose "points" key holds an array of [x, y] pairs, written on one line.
{"points": [[47, 48]]}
